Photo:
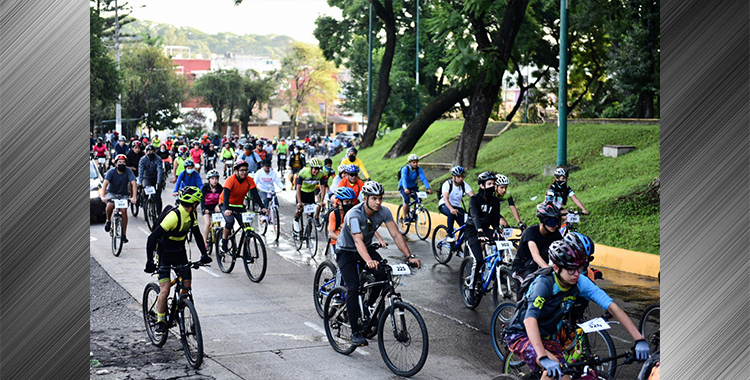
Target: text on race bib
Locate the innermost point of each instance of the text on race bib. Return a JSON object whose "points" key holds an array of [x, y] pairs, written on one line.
{"points": [[507, 232], [574, 218], [149, 190], [503, 244], [121, 203], [309, 209], [217, 217], [102, 160], [422, 194], [594, 325], [400, 269], [247, 217]]}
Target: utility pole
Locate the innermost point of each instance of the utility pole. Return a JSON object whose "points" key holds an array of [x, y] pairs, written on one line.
{"points": [[417, 71], [369, 72], [562, 97], [118, 108]]}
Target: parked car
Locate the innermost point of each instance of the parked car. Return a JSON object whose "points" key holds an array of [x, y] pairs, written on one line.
{"points": [[343, 136], [95, 183]]}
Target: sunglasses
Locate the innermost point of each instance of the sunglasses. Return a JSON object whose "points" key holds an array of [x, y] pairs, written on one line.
{"points": [[554, 222], [574, 271]]}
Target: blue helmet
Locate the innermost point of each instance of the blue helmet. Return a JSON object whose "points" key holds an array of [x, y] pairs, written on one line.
{"points": [[343, 193], [582, 241], [458, 171], [351, 169]]}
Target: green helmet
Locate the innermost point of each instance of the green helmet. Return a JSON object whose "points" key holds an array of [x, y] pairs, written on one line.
{"points": [[316, 163], [190, 194]]}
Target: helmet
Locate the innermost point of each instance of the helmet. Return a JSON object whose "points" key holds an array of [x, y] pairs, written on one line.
{"points": [[485, 176], [266, 162], [566, 255], [372, 188], [458, 171], [351, 169], [137, 144], [182, 149], [316, 163], [561, 172], [99, 139], [547, 210], [351, 150], [188, 162], [345, 193], [239, 163], [190, 194], [582, 241], [341, 169], [205, 136], [121, 157], [150, 147], [212, 173], [501, 180], [122, 138], [413, 157]]}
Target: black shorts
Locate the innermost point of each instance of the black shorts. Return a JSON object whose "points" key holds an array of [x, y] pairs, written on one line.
{"points": [[211, 208], [166, 258], [306, 198], [296, 170]]}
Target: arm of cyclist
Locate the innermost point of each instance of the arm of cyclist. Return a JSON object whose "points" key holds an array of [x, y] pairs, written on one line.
{"points": [[360, 244], [514, 211], [153, 237], [141, 169], [103, 191], [536, 256], [198, 235], [474, 212], [362, 168], [133, 190], [424, 180], [225, 204], [401, 243], [255, 196], [380, 240], [579, 204]]}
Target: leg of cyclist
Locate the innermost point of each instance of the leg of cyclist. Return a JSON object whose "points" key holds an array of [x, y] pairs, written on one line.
{"points": [[475, 247], [347, 261], [451, 218], [207, 227], [406, 199]]}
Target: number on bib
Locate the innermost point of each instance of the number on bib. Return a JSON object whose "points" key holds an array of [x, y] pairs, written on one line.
{"points": [[121, 203], [150, 190], [594, 325], [217, 217], [247, 217], [282, 157], [309, 209], [507, 232], [400, 269], [574, 218], [102, 160], [503, 245], [422, 194]]}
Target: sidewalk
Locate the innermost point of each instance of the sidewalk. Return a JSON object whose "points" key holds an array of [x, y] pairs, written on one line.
{"points": [[641, 263]]}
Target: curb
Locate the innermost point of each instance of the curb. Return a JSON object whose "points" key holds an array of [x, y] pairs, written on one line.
{"points": [[640, 263]]}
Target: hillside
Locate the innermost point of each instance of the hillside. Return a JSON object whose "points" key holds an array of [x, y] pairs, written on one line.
{"points": [[625, 208], [207, 44]]}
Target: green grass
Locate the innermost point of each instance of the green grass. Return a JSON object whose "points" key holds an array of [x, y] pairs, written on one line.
{"points": [[616, 190]]}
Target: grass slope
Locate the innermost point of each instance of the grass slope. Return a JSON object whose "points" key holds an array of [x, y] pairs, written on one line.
{"points": [[625, 211]]}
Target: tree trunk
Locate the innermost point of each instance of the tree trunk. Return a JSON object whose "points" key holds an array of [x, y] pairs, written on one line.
{"points": [[645, 106], [385, 13], [431, 112], [231, 113]]}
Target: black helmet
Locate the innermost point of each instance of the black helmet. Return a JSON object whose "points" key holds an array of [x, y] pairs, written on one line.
{"points": [[266, 162], [566, 255], [485, 176], [150, 147], [547, 210]]}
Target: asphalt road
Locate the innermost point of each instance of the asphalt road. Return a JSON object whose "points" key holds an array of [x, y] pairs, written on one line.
{"points": [[271, 330]]}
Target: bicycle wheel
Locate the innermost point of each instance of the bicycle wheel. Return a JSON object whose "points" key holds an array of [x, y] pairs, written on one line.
{"points": [[402, 338], [649, 326], [117, 233], [600, 344], [424, 224], [210, 242], [336, 322], [150, 214], [135, 207], [297, 237], [225, 260], [470, 296], [312, 238], [150, 295], [262, 224], [276, 221], [190, 333], [506, 288], [515, 366], [441, 249], [323, 282], [403, 227], [254, 257], [502, 315]]}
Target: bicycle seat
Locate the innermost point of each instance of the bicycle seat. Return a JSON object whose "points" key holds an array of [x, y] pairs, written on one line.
{"points": [[366, 276]]}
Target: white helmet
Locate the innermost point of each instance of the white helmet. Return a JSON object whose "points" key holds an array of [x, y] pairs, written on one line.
{"points": [[561, 172], [372, 188], [413, 157], [501, 180]]}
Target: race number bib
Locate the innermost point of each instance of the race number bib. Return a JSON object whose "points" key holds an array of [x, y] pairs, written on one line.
{"points": [[121, 203], [150, 190], [503, 245], [102, 160], [421, 194], [229, 162], [217, 217], [282, 157], [574, 218], [507, 232], [400, 269], [594, 325], [269, 195], [248, 217], [309, 209]]}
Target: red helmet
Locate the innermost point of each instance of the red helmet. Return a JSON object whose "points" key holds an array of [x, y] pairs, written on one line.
{"points": [[121, 157], [239, 163]]}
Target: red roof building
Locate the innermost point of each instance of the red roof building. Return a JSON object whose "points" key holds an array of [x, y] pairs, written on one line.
{"points": [[190, 68]]}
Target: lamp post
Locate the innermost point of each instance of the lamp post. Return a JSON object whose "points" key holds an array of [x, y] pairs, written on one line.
{"points": [[118, 108], [369, 71], [562, 98], [417, 66]]}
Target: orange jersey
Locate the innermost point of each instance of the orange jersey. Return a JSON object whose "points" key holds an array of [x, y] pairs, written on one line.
{"points": [[332, 224], [237, 190], [356, 186]]}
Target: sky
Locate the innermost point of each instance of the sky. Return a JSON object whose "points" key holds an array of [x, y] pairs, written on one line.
{"points": [[294, 18]]}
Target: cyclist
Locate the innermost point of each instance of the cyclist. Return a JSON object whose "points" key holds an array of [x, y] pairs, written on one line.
{"points": [[501, 186], [100, 151], [266, 179], [232, 199], [253, 159], [156, 141], [227, 153], [121, 147], [119, 183], [166, 159], [260, 151], [151, 173], [282, 150], [407, 182], [337, 179], [189, 177], [345, 197], [169, 142], [352, 181], [535, 241], [179, 162], [530, 334], [450, 204], [210, 155], [558, 191], [484, 222], [134, 157], [212, 190], [269, 148], [296, 163], [307, 180], [196, 153], [170, 236], [351, 158], [353, 248]]}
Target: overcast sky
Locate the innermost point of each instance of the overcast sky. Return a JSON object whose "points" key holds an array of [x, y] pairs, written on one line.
{"points": [[294, 18]]}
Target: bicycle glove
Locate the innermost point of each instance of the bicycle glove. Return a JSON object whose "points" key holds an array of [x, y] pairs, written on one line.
{"points": [[150, 267], [552, 367], [205, 259], [642, 351]]}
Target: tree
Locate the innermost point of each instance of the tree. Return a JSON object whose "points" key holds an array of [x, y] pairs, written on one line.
{"points": [[303, 71], [221, 89], [152, 88], [255, 91], [104, 79]]}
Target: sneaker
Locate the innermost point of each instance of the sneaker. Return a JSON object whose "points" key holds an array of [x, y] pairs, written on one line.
{"points": [[358, 339], [317, 223], [124, 239], [224, 244], [161, 327], [450, 239], [107, 226]]}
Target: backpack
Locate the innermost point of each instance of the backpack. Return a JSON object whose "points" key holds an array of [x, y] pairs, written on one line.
{"points": [[167, 209], [398, 176], [450, 189]]}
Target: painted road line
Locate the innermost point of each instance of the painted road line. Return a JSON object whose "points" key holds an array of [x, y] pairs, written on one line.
{"points": [[209, 272], [460, 322]]}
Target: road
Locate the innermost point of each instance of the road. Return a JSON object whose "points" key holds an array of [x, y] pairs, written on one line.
{"points": [[271, 330]]}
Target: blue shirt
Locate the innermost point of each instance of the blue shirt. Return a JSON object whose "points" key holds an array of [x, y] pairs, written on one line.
{"points": [[409, 178], [185, 180], [121, 149], [253, 160]]}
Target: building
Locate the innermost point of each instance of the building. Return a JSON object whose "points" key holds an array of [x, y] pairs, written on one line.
{"points": [[245, 62], [193, 69]]}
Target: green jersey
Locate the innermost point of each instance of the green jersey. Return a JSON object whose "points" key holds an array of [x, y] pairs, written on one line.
{"points": [[308, 181]]}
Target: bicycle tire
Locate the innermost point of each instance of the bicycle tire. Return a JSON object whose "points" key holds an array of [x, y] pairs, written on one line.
{"points": [[117, 233], [135, 207], [471, 297], [226, 260], [254, 257], [210, 242], [649, 326], [515, 366], [150, 295], [312, 239], [441, 249], [403, 338], [326, 272], [297, 237], [402, 227], [190, 333], [150, 214], [421, 228], [336, 322], [500, 318], [276, 221], [609, 368]]}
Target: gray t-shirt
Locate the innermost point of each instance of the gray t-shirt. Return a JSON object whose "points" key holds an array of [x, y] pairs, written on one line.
{"points": [[118, 183], [356, 221]]}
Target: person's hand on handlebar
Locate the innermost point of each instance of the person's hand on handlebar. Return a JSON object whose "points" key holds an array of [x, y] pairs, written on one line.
{"points": [[414, 260], [372, 264], [552, 367]]}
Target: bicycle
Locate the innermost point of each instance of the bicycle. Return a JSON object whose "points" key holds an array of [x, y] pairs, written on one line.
{"points": [[649, 326], [215, 234], [443, 249], [272, 217], [407, 327], [101, 163], [180, 312], [228, 168], [148, 201], [495, 274], [250, 244], [118, 228], [418, 214], [573, 218], [305, 232]]}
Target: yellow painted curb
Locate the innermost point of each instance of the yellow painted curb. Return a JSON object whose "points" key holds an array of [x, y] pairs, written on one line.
{"points": [[644, 264]]}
